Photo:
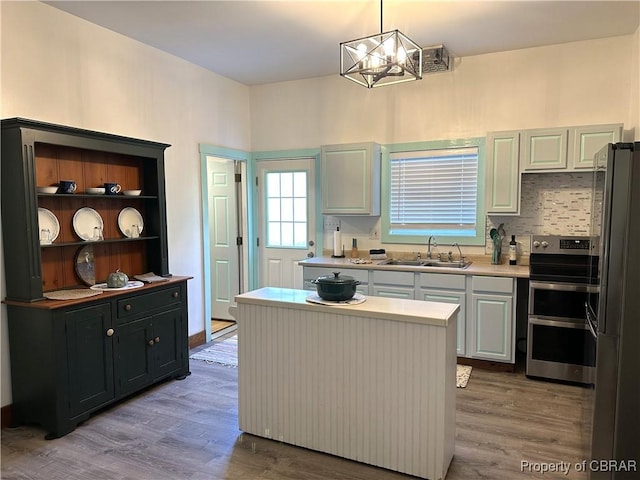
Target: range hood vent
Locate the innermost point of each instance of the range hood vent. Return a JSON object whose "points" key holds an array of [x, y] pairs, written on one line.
{"points": [[435, 59]]}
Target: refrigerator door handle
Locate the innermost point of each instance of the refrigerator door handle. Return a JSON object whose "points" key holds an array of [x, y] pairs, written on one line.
{"points": [[592, 323]]}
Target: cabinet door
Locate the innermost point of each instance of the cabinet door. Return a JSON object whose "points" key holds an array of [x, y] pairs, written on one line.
{"points": [[544, 149], [503, 172], [351, 179], [90, 355], [585, 142], [446, 296], [133, 358], [491, 327], [167, 348]]}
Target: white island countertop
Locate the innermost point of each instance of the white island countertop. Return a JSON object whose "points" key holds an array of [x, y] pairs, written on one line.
{"points": [[401, 310]]}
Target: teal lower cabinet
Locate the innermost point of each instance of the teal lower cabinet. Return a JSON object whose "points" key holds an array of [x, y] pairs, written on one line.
{"points": [[72, 358], [492, 336], [438, 287]]}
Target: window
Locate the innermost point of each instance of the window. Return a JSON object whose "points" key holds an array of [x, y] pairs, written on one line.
{"points": [[434, 191], [286, 209]]}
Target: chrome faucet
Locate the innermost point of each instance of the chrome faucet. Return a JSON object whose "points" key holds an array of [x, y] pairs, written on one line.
{"points": [[429, 246], [459, 251]]}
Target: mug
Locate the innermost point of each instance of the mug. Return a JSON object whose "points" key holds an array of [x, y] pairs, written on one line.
{"points": [[112, 188], [67, 186]]}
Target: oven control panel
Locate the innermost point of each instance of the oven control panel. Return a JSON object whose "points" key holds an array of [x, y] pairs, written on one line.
{"points": [[550, 244]]}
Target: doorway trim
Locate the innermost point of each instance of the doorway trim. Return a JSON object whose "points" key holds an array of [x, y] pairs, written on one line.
{"points": [[232, 155]]}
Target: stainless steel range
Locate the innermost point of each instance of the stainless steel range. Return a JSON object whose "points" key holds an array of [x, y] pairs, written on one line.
{"points": [[563, 277]]}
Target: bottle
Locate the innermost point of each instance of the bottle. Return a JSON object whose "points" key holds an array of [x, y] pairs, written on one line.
{"points": [[354, 248], [512, 250]]}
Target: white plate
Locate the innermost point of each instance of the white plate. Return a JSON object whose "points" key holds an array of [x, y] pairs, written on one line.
{"points": [[130, 284], [47, 221], [85, 220], [128, 219]]}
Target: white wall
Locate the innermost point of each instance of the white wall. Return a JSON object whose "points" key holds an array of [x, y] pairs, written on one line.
{"points": [[60, 69], [579, 83]]}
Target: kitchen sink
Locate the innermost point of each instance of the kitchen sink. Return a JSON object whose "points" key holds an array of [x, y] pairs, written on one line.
{"points": [[411, 263], [426, 263]]}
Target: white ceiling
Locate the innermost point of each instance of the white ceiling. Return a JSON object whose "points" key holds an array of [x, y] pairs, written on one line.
{"points": [[257, 42]]}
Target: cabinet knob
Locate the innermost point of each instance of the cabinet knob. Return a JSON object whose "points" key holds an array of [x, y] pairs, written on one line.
{"points": [[110, 332], [151, 343], [127, 307], [175, 294], [157, 339]]}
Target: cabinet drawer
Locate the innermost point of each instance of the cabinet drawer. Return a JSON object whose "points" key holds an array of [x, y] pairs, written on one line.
{"points": [[136, 305], [394, 278], [492, 284], [442, 280]]}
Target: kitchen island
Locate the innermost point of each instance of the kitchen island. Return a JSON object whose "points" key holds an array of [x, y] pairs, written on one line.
{"points": [[373, 382]]}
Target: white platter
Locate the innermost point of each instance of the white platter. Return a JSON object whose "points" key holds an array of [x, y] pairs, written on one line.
{"points": [[128, 218], [47, 220], [130, 284], [357, 299], [85, 220]]}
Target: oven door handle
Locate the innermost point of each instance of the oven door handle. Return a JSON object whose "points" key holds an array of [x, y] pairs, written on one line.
{"points": [[577, 324], [565, 287], [591, 320]]}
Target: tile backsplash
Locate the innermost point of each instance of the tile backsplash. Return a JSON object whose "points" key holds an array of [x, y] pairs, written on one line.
{"points": [[551, 204]]}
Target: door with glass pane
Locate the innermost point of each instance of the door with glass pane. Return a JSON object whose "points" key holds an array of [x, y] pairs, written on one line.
{"points": [[287, 219]]}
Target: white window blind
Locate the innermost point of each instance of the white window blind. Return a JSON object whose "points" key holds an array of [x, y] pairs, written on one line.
{"points": [[434, 191]]}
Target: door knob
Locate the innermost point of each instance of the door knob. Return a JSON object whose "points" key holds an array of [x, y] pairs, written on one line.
{"points": [[310, 255], [311, 243], [110, 332], [157, 339], [151, 343]]}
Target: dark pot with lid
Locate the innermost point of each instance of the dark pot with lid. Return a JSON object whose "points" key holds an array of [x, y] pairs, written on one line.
{"points": [[336, 288]]}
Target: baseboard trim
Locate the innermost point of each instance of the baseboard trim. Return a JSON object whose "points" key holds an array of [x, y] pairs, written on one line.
{"points": [[6, 416], [197, 339], [487, 364]]}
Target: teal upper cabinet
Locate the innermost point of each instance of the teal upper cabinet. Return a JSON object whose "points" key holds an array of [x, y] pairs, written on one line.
{"points": [[503, 182], [584, 143], [544, 149], [351, 179]]}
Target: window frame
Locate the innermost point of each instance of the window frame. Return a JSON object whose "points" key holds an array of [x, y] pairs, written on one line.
{"points": [[387, 237]]}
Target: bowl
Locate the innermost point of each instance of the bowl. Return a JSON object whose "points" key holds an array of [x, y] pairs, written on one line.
{"points": [[131, 193], [95, 191], [47, 189]]}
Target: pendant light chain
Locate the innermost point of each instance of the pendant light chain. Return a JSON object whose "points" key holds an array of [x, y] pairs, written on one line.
{"points": [[381, 17]]}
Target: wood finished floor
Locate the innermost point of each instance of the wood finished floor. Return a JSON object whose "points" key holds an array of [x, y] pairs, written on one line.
{"points": [[189, 430]]}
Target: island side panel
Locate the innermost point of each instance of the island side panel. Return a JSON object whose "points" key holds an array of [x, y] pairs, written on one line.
{"points": [[376, 391]]}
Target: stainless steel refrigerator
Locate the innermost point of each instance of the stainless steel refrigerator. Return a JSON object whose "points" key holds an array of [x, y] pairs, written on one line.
{"points": [[613, 315]]}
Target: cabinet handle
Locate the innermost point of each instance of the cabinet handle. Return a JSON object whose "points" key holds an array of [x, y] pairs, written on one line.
{"points": [[110, 332], [157, 339], [151, 343], [127, 307], [175, 294]]}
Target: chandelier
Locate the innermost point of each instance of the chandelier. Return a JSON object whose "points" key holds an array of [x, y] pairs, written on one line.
{"points": [[381, 59]]}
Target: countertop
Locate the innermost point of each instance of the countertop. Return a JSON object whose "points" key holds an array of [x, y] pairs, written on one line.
{"points": [[413, 311], [477, 267]]}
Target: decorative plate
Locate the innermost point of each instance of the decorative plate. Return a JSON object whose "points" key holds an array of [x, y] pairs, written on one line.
{"points": [[84, 265], [130, 222], [47, 221], [85, 222], [130, 284]]}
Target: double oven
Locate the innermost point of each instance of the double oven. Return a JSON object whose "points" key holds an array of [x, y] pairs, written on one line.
{"points": [[563, 279]]}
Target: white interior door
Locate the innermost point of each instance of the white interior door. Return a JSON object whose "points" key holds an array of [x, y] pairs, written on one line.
{"points": [[223, 232], [286, 197]]}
